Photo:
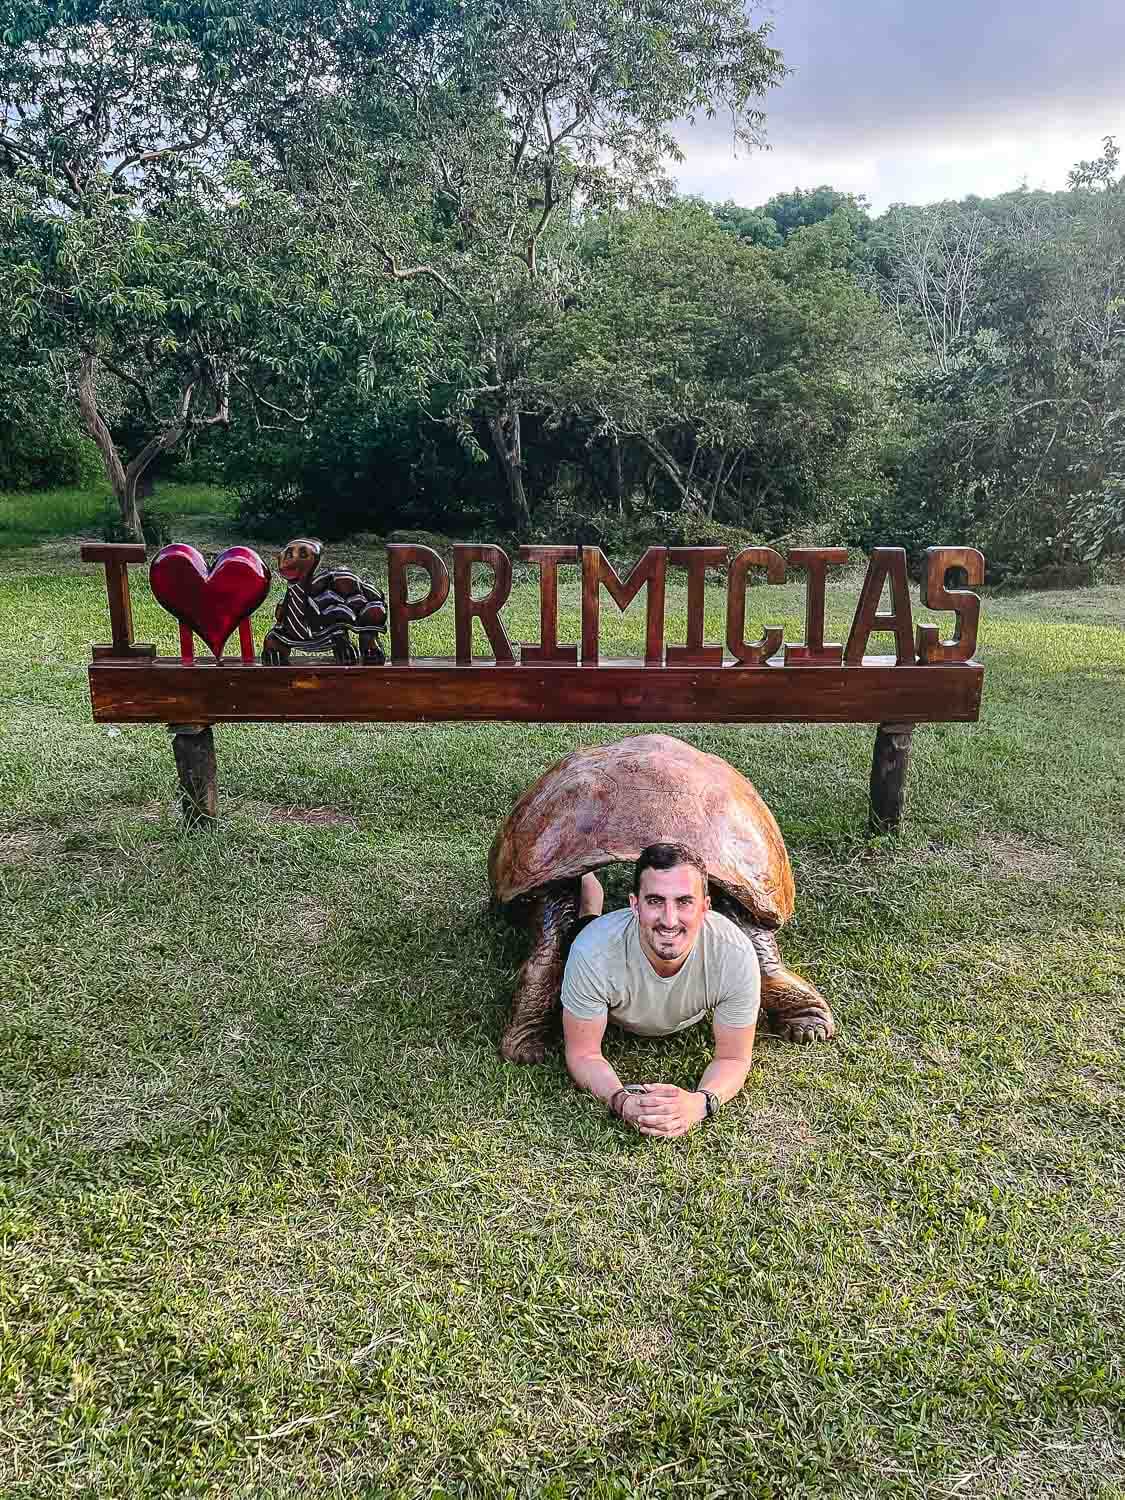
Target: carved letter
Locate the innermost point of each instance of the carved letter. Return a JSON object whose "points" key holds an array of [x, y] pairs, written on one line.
{"points": [[486, 609], [597, 569], [886, 562], [815, 651], [401, 556], [696, 560], [548, 648], [935, 595], [751, 653]]}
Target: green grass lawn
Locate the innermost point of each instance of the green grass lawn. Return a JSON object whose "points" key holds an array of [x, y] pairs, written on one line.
{"points": [[29, 516], [276, 1220]]}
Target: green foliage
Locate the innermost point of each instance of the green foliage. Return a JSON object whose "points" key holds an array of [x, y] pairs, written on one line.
{"points": [[727, 363], [751, 224], [802, 208], [44, 453]]}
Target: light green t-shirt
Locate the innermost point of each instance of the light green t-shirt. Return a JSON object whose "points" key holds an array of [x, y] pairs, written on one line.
{"points": [[608, 973]]}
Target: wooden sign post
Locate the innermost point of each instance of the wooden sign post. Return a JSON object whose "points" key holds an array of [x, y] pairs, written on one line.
{"points": [[767, 680]]}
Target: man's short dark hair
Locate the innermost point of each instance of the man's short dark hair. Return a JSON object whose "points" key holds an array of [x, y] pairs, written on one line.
{"points": [[667, 857]]}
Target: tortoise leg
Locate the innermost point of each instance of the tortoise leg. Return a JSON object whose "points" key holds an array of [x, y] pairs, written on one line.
{"points": [[275, 653], [551, 920], [797, 1011]]}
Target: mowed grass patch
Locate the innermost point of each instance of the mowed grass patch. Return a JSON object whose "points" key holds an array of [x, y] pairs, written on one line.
{"points": [[277, 1220], [29, 518]]}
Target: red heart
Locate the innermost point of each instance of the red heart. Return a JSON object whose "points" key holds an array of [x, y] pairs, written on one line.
{"points": [[212, 603]]}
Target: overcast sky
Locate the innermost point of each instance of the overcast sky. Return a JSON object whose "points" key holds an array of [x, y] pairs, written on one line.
{"points": [[912, 100]]}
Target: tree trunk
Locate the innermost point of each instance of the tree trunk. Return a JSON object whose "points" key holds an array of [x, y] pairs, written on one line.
{"points": [[717, 485], [96, 427], [667, 465], [616, 470], [504, 427], [126, 481], [152, 450]]}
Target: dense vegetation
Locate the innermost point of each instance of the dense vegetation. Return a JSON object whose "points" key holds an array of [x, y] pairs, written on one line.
{"points": [[375, 266]]}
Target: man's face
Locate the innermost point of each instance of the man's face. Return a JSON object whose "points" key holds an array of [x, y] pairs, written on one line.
{"points": [[670, 908]]}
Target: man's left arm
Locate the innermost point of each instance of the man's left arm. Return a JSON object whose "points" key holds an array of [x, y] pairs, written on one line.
{"points": [[669, 1111]]}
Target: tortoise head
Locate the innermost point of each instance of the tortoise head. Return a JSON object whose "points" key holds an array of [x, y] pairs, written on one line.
{"points": [[299, 559]]}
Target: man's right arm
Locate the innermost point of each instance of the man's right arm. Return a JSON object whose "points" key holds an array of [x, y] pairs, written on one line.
{"points": [[584, 1060], [585, 1012], [589, 1069]]}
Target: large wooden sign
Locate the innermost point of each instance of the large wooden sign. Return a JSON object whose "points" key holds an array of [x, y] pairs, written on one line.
{"points": [[753, 675], [757, 679]]}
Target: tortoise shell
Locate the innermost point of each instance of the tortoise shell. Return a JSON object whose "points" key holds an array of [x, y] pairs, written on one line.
{"points": [[604, 803]]}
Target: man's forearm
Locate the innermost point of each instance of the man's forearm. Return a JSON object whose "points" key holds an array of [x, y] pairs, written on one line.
{"points": [[591, 1071], [725, 1076]]}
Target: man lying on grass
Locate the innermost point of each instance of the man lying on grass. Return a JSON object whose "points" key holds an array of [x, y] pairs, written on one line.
{"points": [[662, 964]]}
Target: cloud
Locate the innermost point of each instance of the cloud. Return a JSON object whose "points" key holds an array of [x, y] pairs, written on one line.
{"points": [[904, 100]]}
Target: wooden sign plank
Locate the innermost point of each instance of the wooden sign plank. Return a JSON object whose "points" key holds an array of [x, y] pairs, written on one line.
{"points": [[431, 690]]}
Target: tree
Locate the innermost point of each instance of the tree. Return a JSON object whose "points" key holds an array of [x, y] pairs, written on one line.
{"points": [[727, 363], [137, 256], [464, 161], [1016, 309], [751, 224], [933, 272], [803, 207], [1102, 171]]}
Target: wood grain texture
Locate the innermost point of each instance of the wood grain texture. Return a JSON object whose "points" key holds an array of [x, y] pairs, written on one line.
{"points": [[122, 552], [548, 560], [751, 653], [935, 595], [438, 690], [886, 563], [487, 608], [400, 557], [814, 650], [116, 557], [696, 560], [597, 571]]}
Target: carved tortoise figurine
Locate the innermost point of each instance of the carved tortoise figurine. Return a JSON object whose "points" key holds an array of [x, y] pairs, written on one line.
{"points": [[604, 804], [319, 608]]}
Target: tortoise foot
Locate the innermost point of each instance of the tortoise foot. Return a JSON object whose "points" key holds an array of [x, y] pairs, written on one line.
{"points": [[523, 1049], [815, 1028]]}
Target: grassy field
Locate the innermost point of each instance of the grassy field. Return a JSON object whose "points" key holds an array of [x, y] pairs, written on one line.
{"points": [[276, 1220], [29, 516]]}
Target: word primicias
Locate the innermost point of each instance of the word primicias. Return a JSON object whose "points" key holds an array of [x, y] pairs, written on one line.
{"points": [[887, 566]]}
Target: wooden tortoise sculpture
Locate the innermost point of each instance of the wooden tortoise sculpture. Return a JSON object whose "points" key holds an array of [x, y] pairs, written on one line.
{"points": [[604, 804], [320, 608]]}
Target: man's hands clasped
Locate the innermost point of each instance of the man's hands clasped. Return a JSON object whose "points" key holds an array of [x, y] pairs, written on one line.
{"points": [[663, 1110]]}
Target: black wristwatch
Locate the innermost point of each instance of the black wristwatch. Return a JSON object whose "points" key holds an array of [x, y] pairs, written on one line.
{"points": [[714, 1104]]}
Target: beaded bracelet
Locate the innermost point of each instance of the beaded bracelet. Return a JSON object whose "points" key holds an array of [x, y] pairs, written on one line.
{"points": [[628, 1088]]}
